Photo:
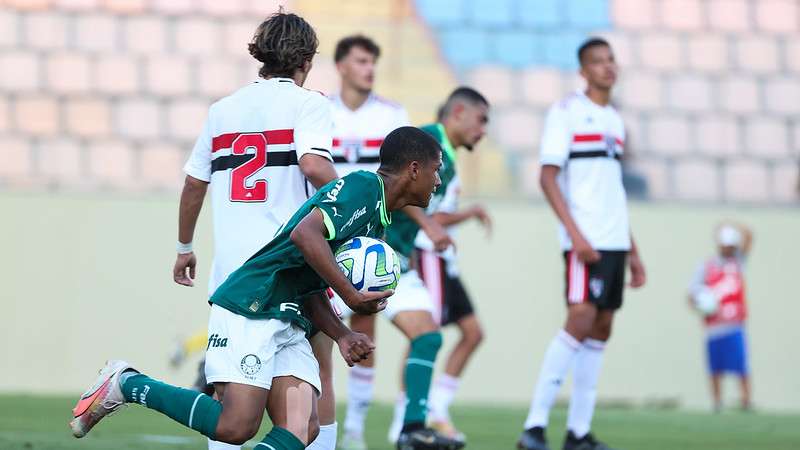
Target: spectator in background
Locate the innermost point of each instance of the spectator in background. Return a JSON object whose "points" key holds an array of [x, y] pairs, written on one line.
{"points": [[717, 291]]}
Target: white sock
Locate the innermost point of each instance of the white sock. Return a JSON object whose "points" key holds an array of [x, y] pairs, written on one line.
{"points": [[584, 388], [359, 396], [557, 360], [216, 445], [326, 439], [441, 396], [397, 421]]}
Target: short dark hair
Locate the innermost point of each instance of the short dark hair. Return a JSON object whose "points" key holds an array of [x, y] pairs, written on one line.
{"points": [[460, 94], [589, 43], [407, 144], [344, 46], [283, 43]]}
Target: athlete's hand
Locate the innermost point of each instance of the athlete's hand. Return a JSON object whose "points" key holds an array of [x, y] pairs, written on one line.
{"points": [[355, 347], [480, 213], [586, 254], [186, 262], [638, 275], [438, 235], [370, 302]]}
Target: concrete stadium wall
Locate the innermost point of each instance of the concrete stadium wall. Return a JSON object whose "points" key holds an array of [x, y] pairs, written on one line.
{"points": [[87, 277]]}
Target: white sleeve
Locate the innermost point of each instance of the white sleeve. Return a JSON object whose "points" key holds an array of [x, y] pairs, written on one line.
{"points": [[402, 118], [199, 163], [449, 203], [698, 279], [556, 137], [313, 132]]}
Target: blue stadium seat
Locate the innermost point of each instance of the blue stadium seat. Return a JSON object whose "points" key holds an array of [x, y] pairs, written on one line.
{"points": [[540, 13], [588, 13], [465, 47], [560, 49], [516, 48], [493, 13], [441, 12]]}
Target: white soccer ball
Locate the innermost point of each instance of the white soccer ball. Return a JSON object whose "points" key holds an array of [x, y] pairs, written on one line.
{"points": [[706, 301], [370, 264]]}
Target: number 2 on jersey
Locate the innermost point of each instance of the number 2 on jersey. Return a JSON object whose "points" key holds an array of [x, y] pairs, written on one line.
{"points": [[240, 191]]}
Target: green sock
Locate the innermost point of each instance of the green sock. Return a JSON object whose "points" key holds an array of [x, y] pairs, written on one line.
{"points": [[419, 371], [191, 408], [280, 439]]}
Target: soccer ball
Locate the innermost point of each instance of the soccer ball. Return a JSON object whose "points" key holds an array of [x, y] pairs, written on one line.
{"points": [[370, 264], [706, 301]]}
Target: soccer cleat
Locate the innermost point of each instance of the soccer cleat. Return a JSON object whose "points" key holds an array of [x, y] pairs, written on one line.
{"points": [[100, 400], [426, 439], [533, 439], [446, 428], [587, 442], [352, 441]]}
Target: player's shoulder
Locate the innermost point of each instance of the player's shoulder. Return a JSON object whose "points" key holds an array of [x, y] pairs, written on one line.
{"points": [[383, 101]]}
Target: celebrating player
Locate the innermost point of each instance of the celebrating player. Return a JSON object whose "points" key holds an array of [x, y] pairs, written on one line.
{"points": [[265, 308], [462, 123], [581, 177], [721, 280]]}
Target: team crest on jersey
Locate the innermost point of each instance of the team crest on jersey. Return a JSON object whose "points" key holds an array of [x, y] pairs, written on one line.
{"points": [[596, 286], [611, 146], [250, 364]]}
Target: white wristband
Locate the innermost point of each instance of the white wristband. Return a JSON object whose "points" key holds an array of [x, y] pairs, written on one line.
{"points": [[184, 248]]}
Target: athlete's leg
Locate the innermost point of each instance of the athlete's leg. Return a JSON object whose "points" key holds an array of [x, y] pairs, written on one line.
{"points": [[399, 403], [423, 333], [471, 338], [359, 387], [587, 371], [322, 347], [242, 410], [744, 385], [292, 407], [716, 391]]}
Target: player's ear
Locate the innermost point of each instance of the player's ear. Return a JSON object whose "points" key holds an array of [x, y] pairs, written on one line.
{"points": [[413, 170]]}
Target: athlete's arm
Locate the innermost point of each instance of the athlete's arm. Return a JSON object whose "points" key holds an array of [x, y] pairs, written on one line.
{"points": [[309, 237], [318, 169], [447, 219], [194, 191], [435, 231], [552, 192], [353, 346], [638, 275]]}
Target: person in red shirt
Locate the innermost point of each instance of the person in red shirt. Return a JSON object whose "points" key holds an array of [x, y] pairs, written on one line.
{"points": [[717, 291]]}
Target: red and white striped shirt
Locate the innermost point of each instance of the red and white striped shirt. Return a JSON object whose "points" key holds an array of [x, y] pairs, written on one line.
{"points": [[586, 141]]}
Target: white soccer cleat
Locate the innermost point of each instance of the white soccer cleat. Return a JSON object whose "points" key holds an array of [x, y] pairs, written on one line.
{"points": [[100, 400]]}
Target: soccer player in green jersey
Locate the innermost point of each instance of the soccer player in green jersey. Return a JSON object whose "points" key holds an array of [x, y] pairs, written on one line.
{"points": [[264, 311]]}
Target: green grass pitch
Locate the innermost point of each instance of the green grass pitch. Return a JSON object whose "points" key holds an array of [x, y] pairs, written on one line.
{"points": [[40, 423]]}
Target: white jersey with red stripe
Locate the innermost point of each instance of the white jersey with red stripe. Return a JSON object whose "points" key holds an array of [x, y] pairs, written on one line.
{"points": [[586, 141], [358, 135], [249, 151]]}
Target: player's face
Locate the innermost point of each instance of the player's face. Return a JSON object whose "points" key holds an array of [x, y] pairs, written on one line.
{"points": [[427, 181], [473, 121], [727, 251], [599, 67], [357, 69]]}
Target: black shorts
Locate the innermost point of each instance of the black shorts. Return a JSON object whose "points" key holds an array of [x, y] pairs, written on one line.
{"points": [[450, 299], [600, 283]]}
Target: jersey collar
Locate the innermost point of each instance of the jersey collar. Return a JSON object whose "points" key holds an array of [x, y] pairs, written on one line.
{"points": [[446, 145], [386, 218]]}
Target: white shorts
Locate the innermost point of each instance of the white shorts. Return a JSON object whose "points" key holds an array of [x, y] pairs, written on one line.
{"points": [[254, 351], [410, 295]]}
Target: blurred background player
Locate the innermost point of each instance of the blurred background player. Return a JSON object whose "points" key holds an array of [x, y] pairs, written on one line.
{"points": [[718, 292], [361, 120], [581, 177], [258, 158], [462, 122]]}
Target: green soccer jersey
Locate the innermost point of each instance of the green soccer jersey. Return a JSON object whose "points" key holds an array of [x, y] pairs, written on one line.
{"points": [[274, 282], [401, 235]]}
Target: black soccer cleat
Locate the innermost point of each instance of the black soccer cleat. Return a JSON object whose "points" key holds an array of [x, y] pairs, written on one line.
{"points": [[533, 439], [587, 442], [426, 439]]}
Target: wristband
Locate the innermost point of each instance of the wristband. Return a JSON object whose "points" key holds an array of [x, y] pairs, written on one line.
{"points": [[184, 248]]}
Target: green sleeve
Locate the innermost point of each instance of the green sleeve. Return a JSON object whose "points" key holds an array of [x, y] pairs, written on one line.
{"points": [[346, 204]]}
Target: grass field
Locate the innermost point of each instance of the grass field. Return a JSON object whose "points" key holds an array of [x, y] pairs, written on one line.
{"points": [[40, 423]]}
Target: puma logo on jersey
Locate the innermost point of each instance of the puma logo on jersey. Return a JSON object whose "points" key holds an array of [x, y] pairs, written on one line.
{"points": [[335, 212], [332, 195], [356, 215]]}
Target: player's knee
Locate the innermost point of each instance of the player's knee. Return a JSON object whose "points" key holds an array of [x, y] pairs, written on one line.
{"points": [[313, 430], [474, 336], [237, 434], [429, 342]]}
